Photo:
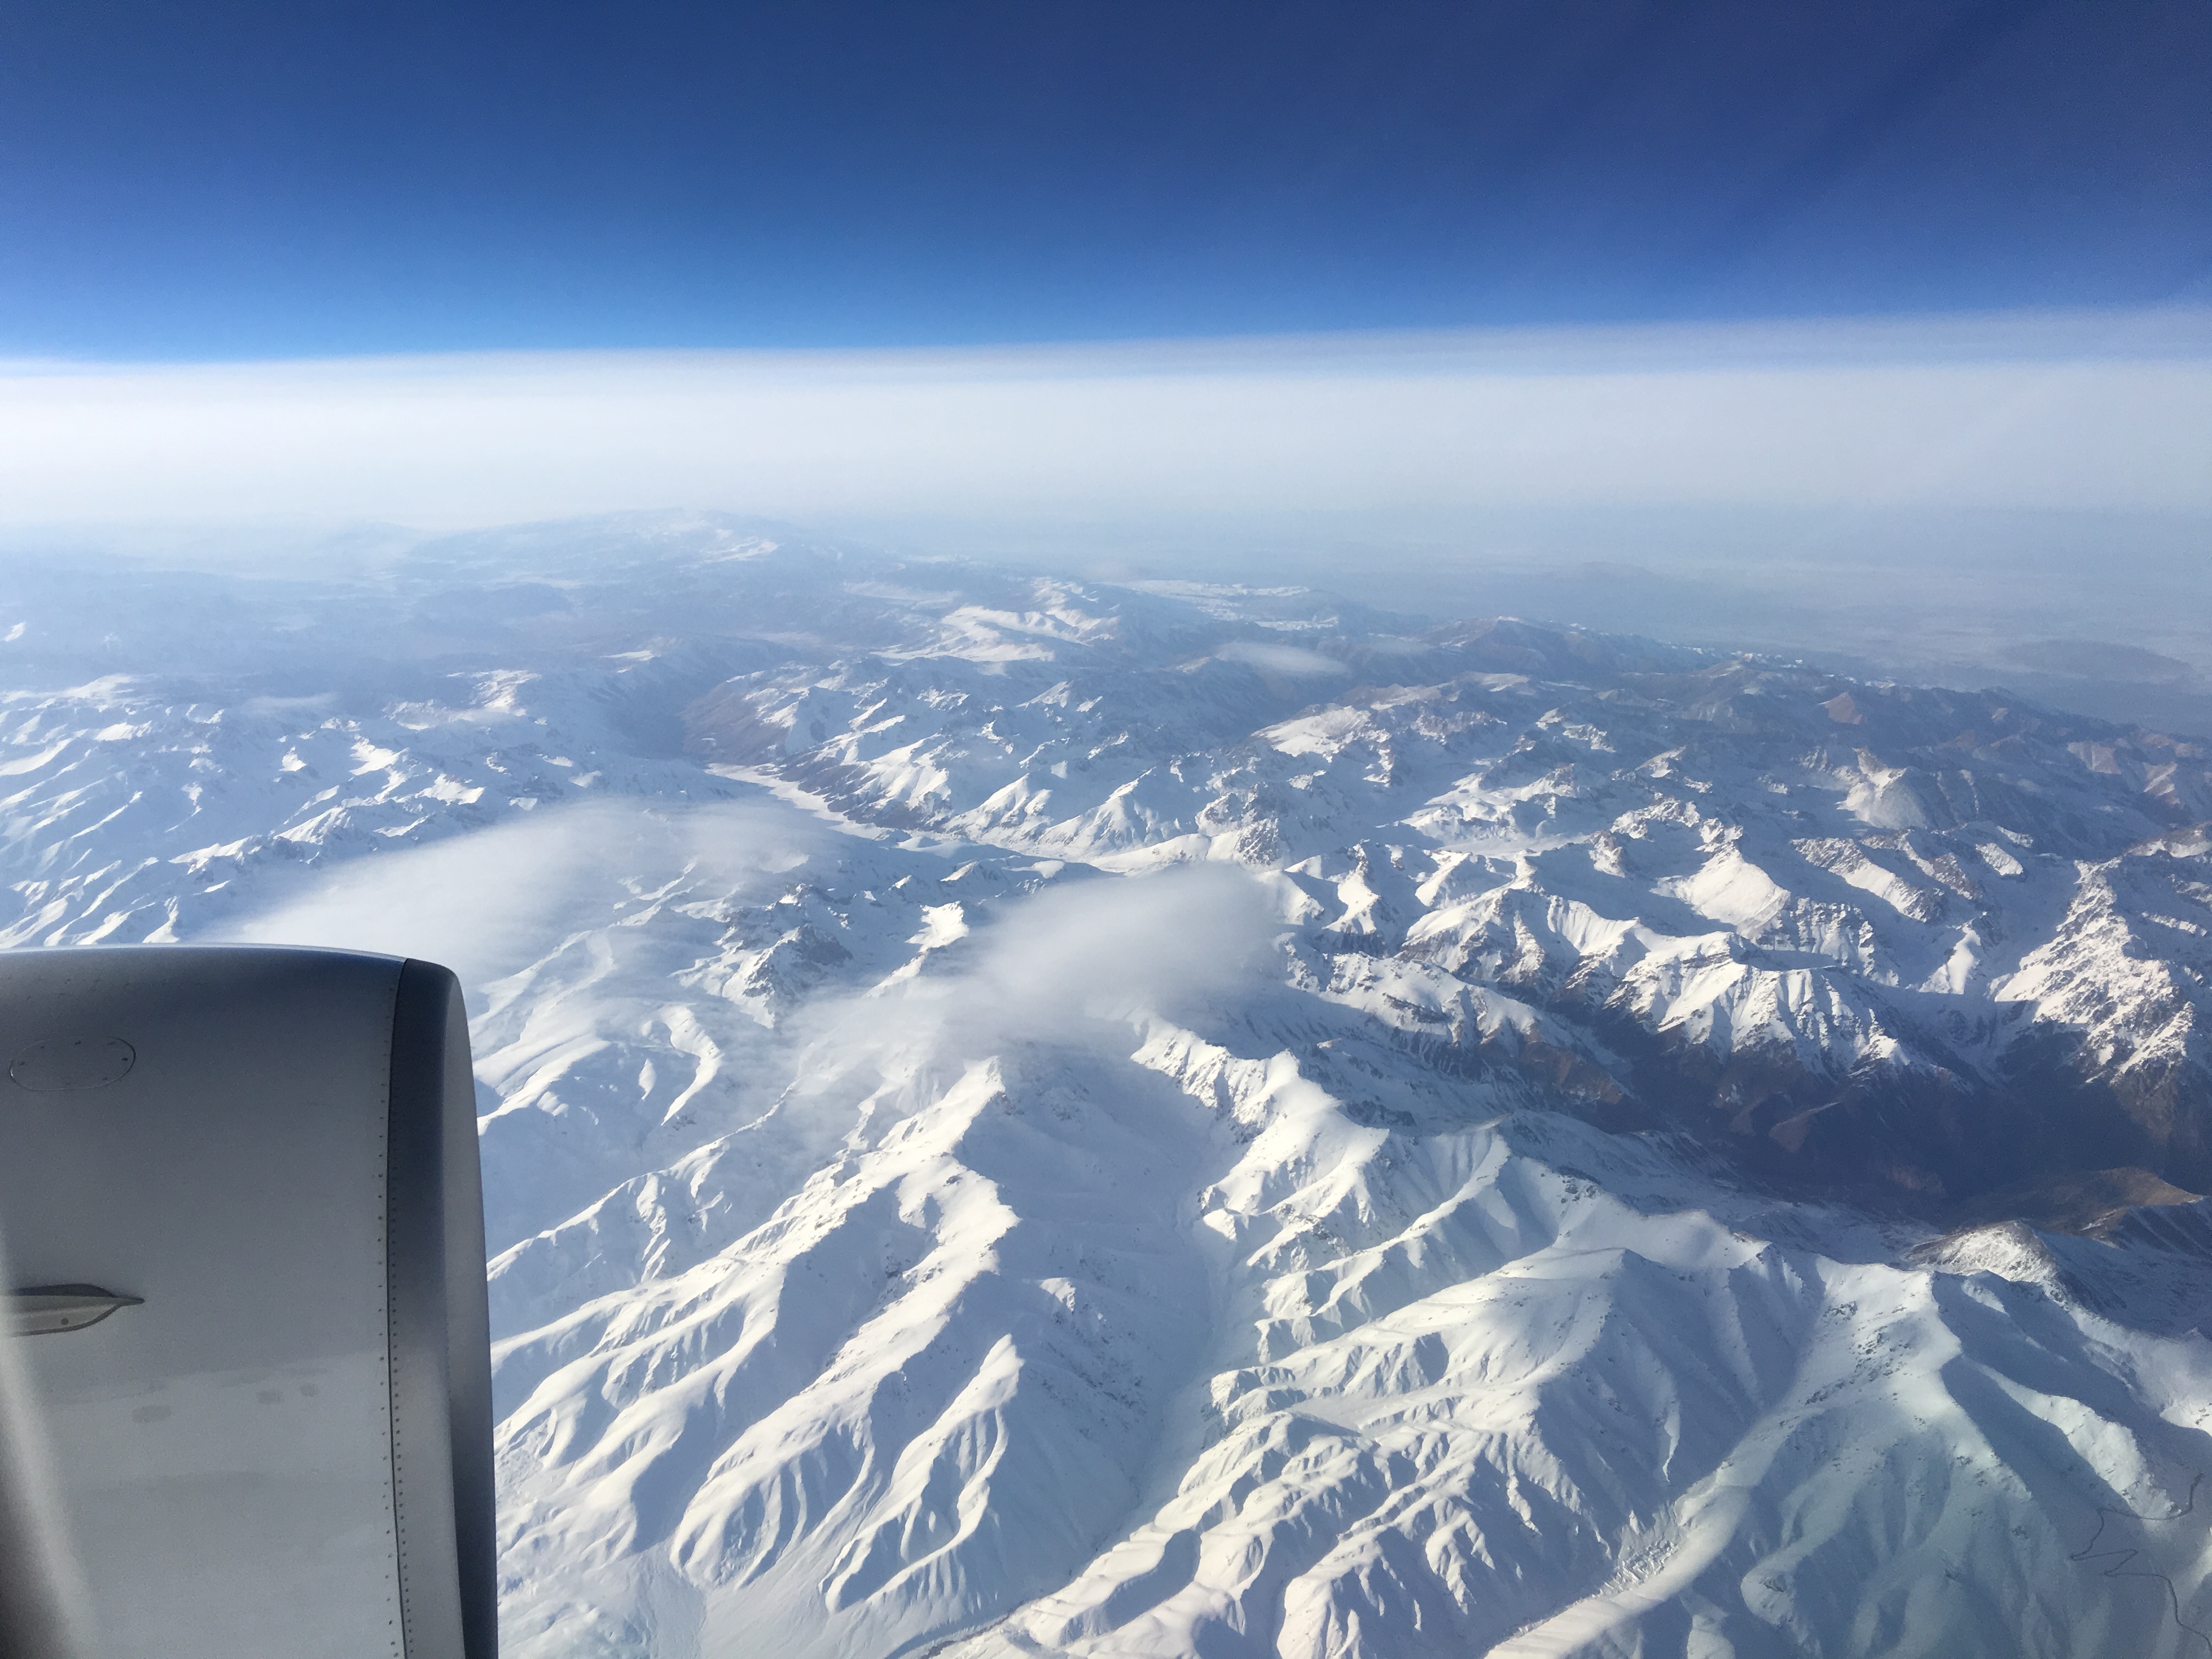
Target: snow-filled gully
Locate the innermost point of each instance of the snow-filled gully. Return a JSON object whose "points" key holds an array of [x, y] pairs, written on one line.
{"points": [[1085, 1135]]}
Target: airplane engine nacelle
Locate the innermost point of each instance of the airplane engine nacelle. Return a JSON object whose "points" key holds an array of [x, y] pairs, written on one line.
{"points": [[243, 1232]]}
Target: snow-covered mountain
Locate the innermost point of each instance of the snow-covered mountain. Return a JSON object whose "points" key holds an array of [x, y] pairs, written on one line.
{"points": [[1028, 1117]]}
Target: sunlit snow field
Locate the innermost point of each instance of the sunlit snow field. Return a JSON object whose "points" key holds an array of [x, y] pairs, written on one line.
{"points": [[1028, 1116]]}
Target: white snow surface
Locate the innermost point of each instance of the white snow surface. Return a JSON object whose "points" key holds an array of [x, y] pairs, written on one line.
{"points": [[1027, 1117]]}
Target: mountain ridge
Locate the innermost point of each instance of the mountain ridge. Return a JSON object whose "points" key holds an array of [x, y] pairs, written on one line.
{"points": [[1086, 1119]]}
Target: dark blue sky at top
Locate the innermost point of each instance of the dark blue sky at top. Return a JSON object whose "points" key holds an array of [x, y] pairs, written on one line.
{"points": [[230, 180]]}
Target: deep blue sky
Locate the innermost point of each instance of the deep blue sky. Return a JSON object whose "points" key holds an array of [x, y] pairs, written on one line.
{"points": [[239, 180]]}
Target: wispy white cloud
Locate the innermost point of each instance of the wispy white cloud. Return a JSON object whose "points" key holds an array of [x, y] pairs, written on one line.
{"points": [[493, 901], [1073, 966], [1292, 661], [2068, 411]]}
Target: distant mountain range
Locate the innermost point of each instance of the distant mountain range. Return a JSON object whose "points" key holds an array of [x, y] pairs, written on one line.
{"points": [[1033, 1117]]}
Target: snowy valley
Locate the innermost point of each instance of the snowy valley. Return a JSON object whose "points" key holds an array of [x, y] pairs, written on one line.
{"points": [[1030, 1117]]}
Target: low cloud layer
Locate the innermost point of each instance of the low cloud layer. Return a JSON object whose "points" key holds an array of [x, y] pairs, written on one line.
{"points": [[1122, 949], [1074, 967], [1291, 661], [489, 902], [1049, 967], [2060, 412]]}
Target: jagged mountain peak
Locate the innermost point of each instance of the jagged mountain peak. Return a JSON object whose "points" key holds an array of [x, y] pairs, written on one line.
{"points": [[1034, 1115]]}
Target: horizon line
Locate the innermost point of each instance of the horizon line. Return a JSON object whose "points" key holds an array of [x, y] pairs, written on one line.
{"points": [[2013, 334]]}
